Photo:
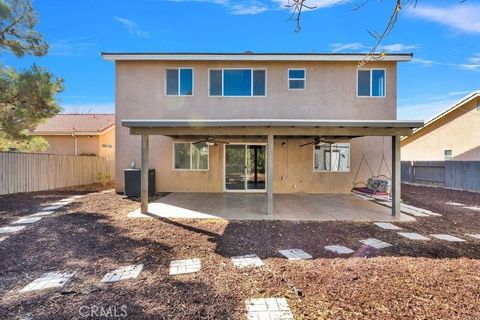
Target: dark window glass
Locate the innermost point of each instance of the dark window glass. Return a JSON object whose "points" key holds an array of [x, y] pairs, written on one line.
{"points": [[258, 82], [182, 155], [172, 82], [186, 82], [215, 82], [237, 82], [296, 74], [378, 83], [296, 84], [363, 83]]}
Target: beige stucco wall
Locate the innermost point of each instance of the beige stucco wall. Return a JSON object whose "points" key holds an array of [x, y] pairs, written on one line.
{"points": [[458, 131], [108, 138], [66, 144], [330, 94]]}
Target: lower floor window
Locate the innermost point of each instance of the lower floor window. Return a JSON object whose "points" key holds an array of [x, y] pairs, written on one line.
{"points": [[332, 157], [190, 156]]}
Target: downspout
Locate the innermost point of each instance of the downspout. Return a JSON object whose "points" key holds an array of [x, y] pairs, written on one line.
{"points": [[75, 144]]}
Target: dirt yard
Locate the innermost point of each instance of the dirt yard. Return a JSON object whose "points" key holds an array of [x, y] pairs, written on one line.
{"points": [[411, 280]]}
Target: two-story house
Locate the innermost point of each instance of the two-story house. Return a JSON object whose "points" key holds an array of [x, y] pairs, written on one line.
{"points": [[272, 123]]}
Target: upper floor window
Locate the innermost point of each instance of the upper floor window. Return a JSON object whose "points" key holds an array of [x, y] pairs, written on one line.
{"points": [[371, 83], [190, 156], [179, 82], [237, 82], [448, 154], [296, 79], [332, 157]]}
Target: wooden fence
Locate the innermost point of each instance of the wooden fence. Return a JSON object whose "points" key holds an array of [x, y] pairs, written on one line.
{"points": [[25, 172], [463, 175]]}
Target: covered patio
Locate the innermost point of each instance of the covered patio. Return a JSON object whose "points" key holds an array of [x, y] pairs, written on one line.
{"points": [[252, 206], [319, 207]]}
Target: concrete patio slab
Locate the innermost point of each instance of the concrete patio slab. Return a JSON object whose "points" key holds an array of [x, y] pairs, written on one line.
{"points": [[51, 208], [475, 235], [387, 226], [339, 249], [295, 254], [48, 281], [27, 220], [247, 261], [268, 308], [375, 243], [11, 229], [253, 206], [42, 214], [447, 237], [413, 236], [185, 266], [125, 273]]}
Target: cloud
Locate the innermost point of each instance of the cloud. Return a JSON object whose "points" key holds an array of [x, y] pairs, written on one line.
{"points": [[463, 16], [356, 46], [342, 47], [253, 7], [71, 47], [132, 27], [472, 64]]}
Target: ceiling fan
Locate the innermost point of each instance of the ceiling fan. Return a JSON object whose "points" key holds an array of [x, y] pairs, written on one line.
{"points": [[210, 141], [317, 141]]}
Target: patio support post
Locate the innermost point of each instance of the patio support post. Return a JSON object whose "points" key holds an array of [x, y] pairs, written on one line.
{"points": [[396, 182], [144, 174], [270, 175]]}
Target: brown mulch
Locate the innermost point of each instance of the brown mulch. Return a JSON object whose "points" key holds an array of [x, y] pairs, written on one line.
{"points": [[92, 236]]}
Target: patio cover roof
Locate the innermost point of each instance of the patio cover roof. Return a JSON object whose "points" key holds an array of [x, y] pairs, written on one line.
{"points": [[271, 126]]}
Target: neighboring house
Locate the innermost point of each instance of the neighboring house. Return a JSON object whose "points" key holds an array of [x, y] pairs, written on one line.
{"points": [[452, 135], [273, 123], [79, 134]]}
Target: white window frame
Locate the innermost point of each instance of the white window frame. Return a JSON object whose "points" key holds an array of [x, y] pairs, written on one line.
{"points": [[178, 84], [371, 86], [330, 171], [304, 79], [251, 82]]}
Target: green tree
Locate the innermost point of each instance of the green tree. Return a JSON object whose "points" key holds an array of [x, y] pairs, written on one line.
{"points": [[27, 97]]}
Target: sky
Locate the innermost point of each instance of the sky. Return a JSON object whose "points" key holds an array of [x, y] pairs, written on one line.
{"points": [[444, 36]]}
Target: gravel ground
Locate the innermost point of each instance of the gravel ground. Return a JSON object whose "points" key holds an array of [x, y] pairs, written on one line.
{"points": [[92, 236]]}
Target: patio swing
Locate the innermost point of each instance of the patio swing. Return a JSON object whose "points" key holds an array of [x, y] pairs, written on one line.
{"points": [[376, 185]]}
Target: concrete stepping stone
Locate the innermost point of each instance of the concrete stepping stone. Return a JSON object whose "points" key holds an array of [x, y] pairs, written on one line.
{"points": [[11, 229], [3, 238], [59, 203], [251, 260], [125, 273], [51, 208], [339, 249], [387, 226], [295, 254], [376, 243], [42, 214], [268, 308], [27, 220], [472, 208], [447, 237], [76, 196], [474, 235], [185, 266], [48, 280], [456, 204], [413, 236]]}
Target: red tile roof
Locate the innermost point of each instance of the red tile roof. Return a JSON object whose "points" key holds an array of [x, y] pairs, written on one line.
{"points": [[68, 123]]}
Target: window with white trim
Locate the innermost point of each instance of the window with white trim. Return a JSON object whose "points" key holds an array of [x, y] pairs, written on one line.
{"points": [[448, 154], [296, 79], [371, 83], [179, 82], [237, 82], [332, 157], [190, 156]]}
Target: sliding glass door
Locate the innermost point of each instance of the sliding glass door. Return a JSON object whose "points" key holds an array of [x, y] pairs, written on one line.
{"points": [[244, 167]]}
